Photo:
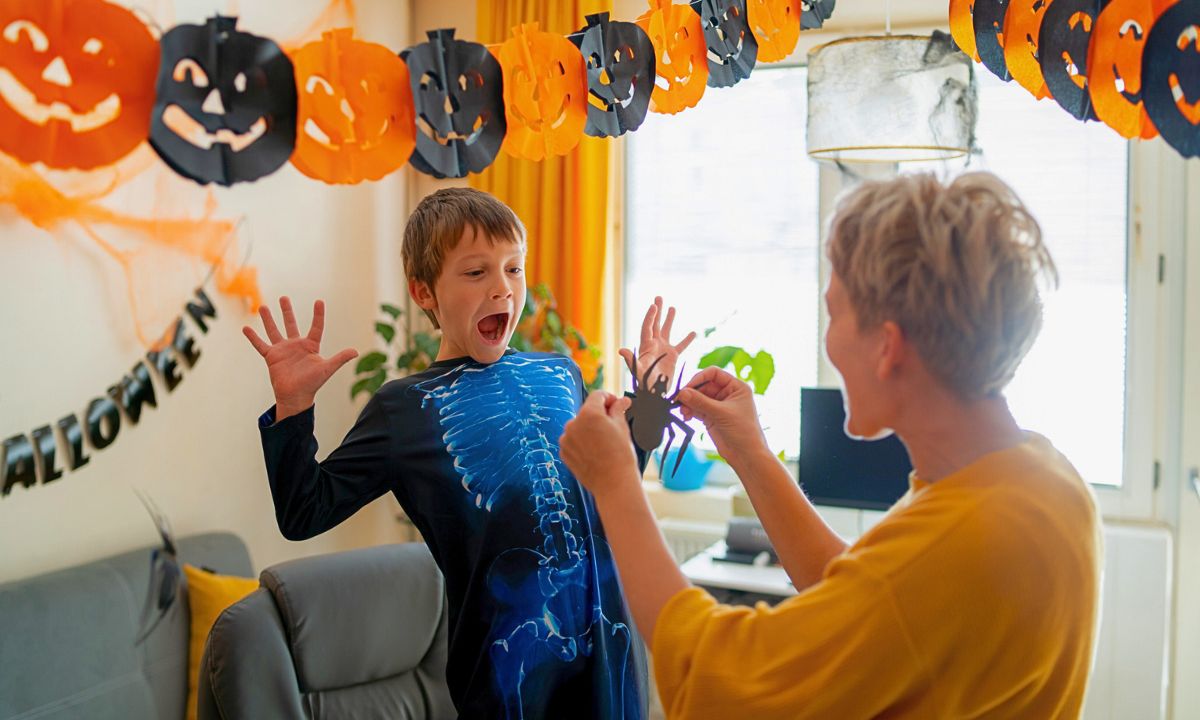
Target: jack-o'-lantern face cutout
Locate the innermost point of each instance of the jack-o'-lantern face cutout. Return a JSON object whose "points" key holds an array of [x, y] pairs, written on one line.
{"points": [[962, 26], [1022, 28], [76, 82], [458, 97], [732, 48], [1171, 76], [355, 112], [1115, 65], [988, 18], [776, 26], [1063, 44], [620, 73], [226, 106], [681, 64], [545, 93]]}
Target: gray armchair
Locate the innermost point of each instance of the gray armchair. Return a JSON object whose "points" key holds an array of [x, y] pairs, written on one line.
{"points": [[359, 634]]}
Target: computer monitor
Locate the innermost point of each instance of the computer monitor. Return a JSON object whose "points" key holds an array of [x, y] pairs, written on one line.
{"points": [[836, 469]]}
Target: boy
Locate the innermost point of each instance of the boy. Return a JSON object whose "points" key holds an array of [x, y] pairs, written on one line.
{"points": [[469, 447]]}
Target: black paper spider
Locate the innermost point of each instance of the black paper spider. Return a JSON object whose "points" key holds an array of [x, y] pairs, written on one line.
{"points": [[165, 575], [651, 414]]}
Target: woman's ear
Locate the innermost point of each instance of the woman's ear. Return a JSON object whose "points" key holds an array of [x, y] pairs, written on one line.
{"points": [[892, 350]]}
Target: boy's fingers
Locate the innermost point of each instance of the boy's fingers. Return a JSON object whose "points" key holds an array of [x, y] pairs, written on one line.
{"points": [[337, 361], [595, 402], [686, 341], [269, 325], [627, 355], [668, 324], [712, 378], [648, 324], [289, 317], [259, 344], [658, 316], [318, 322]]}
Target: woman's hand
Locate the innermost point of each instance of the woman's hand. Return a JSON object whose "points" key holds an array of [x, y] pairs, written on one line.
{"points": [[596, 444], [726, 407]]}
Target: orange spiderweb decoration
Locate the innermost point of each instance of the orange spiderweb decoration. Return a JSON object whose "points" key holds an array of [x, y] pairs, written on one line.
{"points": [[207, 239]]}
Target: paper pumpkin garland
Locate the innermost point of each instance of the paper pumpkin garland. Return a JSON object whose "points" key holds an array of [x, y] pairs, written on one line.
{"points": [[776, 26], [816, 12], [545, 93], [962, 26], [78, 82], [1171, 76], [1022, 28], [1065, 38], [620, 74], [355, 110], [988, 19], [732, 48], [1115, 64], [226, 105], [458, 97], [680, 56]]}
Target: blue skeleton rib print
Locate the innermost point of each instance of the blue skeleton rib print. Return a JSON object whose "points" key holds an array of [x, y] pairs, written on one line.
{"points": [[557, 597]]}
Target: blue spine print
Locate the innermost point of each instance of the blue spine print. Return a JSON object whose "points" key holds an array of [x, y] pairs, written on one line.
{"points": [[501, 424]]}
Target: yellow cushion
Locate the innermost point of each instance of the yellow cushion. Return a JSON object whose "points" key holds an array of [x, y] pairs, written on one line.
{"points": [[208, 595]]}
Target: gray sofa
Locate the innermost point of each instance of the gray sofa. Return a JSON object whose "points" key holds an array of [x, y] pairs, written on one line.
{"points": [[67, 638], [358, 634]]}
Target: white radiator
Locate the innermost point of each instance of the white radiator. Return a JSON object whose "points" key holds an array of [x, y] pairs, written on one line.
{"points": [[1129, 679]]}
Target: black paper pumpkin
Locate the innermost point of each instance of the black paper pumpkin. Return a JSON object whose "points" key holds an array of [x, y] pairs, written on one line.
{"points": [[815, 13], [620, 72], [1171, 76], [988, 18], [732, 47], [1063, 45], [458, 96], [225, 107]]}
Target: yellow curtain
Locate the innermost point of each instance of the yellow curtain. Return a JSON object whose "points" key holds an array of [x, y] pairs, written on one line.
{"points": [[563, 201]]}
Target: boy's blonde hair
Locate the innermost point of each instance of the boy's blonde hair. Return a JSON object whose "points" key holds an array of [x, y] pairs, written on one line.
{"points": [[438, 222], [955, 266]]}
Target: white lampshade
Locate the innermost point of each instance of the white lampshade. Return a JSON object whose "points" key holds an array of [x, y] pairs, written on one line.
{"points": [[892, 98]]}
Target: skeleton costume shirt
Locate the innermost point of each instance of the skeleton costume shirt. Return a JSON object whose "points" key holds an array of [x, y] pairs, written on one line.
{"points": [[538, 627]]}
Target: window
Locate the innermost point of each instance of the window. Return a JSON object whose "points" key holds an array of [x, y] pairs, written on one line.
{"points": [[1075, 178], [722, 221]]}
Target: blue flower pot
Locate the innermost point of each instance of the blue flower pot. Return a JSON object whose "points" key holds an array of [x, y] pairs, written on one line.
{"points": [[691, 473]]}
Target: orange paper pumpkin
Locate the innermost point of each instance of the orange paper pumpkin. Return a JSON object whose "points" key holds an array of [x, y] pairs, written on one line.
{"points": [[1115, 65], [681, 65], [355, 110], [545, 93], [776, 26], [962, 26], [1022, 26], [76, 82]]}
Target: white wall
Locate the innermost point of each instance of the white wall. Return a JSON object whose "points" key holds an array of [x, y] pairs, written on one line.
{"points": [[68, 336]]}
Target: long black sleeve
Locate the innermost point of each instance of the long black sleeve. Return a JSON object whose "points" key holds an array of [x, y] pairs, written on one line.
{"points": [[311, 497]]}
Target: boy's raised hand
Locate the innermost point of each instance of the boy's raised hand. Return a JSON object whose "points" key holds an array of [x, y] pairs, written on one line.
{"points": [[655, 342], [294, 362]]}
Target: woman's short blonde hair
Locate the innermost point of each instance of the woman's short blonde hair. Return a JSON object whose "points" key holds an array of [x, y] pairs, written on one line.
{"points": [[956, 266]]}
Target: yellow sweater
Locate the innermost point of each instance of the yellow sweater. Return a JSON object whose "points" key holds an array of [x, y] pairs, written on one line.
{"points": [[975, 597]]}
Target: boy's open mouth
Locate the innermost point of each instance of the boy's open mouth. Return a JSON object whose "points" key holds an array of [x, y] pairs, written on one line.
{"points": [[492, 327]]}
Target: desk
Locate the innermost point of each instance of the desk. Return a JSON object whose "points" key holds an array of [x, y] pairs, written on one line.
{"points": [[736, 583]]}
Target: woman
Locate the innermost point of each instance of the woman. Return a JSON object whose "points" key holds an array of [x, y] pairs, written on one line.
{"points": [[977, 594]]}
